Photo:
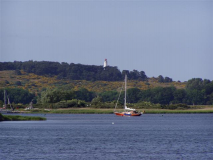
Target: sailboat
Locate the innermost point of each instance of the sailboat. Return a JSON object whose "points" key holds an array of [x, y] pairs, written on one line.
{"points": [[127, 111], [5, 108], [30, 106]]}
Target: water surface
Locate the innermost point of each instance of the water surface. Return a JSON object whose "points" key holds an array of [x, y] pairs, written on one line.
{"points": [[93, 136]]}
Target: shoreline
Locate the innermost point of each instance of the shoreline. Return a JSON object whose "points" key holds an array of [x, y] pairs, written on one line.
{"points": [[111, 111], [20, 118]]}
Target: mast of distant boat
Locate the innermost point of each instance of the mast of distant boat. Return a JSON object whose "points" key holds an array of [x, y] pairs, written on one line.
{"points": [[5, 99]]}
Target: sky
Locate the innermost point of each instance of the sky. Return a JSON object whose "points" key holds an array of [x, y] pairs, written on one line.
{"points": [[172, 38]]}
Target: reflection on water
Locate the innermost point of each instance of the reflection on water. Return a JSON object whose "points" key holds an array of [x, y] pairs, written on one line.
{"points": [[93, 136]]}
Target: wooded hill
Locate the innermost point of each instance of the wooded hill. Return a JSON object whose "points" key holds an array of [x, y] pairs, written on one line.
{"points": [[36, 83], [52, 82], [73, 71]]}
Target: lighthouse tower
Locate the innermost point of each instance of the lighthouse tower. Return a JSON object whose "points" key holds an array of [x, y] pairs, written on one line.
{"points": [[105, 63]]}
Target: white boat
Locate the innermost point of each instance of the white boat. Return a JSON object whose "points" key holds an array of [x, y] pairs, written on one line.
{"points": [[30, 107]]}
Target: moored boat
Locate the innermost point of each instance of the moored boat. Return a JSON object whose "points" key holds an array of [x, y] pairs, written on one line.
{"points": [[127, 111], [132, 113]]}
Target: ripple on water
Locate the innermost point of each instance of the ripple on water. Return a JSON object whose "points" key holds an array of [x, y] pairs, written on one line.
{"points": [[94, 137]]}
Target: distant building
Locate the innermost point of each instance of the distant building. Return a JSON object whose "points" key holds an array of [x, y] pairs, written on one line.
{"points": [[105, 63]]}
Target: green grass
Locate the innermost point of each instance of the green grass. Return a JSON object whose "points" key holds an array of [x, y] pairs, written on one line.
{"points": [[150, 111], [88, 111], [111, 111], [20, 118], [76, 111]]}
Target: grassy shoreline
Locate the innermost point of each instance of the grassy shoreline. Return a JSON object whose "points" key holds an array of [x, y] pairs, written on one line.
{"points": [[111, 111], [20, 118], [177, 111]]}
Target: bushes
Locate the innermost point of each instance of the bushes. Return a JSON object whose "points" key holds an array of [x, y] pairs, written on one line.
{"points": [[70, 104], [1, 117], [175, 106], [20, 118], [103, 105]]}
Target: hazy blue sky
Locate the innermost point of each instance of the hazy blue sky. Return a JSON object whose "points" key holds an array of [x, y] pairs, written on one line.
{"points": [[171, 38]]}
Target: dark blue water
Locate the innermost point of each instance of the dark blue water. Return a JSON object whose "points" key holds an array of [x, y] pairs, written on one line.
{"points": [[64, 137]]}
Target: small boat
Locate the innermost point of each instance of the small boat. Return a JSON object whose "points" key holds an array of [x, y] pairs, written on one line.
{"points": [[6, 106], [30, 107], [127, 111]]}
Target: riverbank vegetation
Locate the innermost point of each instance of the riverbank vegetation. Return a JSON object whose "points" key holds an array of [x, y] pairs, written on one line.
{"points": [[155, 109], [191, 110], [53, 85], [20, 118]]}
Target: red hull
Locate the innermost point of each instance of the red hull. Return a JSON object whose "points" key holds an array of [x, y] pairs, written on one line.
{"points": [[124, 114], [119, 114]]}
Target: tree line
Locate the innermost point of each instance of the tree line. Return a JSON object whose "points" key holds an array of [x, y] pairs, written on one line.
{"points": [[197, 92], [17, 95], [73, 71]]}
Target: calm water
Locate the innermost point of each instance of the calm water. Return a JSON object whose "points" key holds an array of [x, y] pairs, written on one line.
{"points": [[168, 136]]}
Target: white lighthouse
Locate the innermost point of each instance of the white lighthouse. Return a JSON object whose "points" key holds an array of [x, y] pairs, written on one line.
{"points": [[105, 63]]}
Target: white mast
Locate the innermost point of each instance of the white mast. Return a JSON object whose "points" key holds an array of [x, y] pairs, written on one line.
{"points": [[9, 103], [125, 91], [5, 99], [125, 107]]}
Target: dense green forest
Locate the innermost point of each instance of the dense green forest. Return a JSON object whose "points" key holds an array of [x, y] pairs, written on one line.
{"points": [[73, 71], [197, 90]]}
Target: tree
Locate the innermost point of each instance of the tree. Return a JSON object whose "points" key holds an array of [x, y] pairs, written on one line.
{"points": [[146, 95], [96, 100], [148, 84], [68, 95], [18, 83], [1, 103], [143, 76], [109, 96], [211, 98], [17, 95], [163, 95], [195, 97], [179, 96], [17, 72], [133, 95], [125, 72], [72, 71], [195, 83], [167, 79], [134, 74], [6, 82], [160, 79], [84, 94]]}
